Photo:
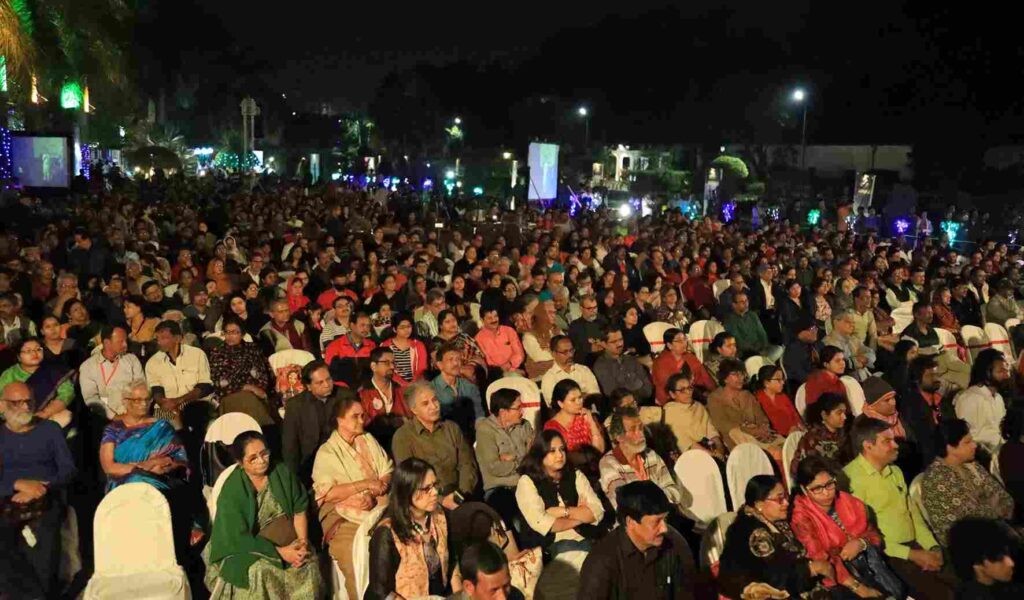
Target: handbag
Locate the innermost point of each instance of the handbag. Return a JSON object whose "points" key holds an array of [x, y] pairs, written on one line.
{"points": [[870, 569], [280, 531]]}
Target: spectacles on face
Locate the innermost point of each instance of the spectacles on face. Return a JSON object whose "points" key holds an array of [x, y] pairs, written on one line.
{"points": [[432, 487], [683, 389], [263, 456], [31, 351], [820, 489], [781, 499], [22, 403]]}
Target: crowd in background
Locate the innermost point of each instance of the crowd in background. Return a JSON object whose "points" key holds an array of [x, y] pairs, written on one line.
{"points": [[134, 317]]}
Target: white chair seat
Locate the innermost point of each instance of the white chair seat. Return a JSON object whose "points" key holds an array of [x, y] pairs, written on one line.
{"points": [[800, 401], [788, 452], [699, 476], [854, 395], [528, 391], [975, 340], [169, 584]]}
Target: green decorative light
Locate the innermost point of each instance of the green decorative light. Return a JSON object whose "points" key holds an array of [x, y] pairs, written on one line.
{"points": [[71, 95], [813, 217], [3, 73]]}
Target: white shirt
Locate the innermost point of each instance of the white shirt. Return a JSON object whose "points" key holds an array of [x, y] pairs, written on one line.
{"points": [[984, 411], [181, 376], [532, 506], [102, 380], [581, 374], [769, 297]]}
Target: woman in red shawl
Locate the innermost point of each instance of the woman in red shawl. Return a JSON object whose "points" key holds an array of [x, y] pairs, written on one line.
{"points": [[834, 526], [776, 404], [296, 299], [826, 378]]}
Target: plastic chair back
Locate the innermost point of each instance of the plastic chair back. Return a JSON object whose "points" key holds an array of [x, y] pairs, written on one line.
{"points": [[800, 401], [754, 364], [713, 541], [527, 389], [999, 339], [975, 339], [788, 452], [745, 461], [132, 531], [655, 335], [699, 475], [720, 286], [854, 395]]}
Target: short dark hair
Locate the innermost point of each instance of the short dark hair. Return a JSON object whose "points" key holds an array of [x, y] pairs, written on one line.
{"points": [[558, 338], [149, 284], [675, 378], [379, 353], [950, 432], [640, 499], [865, 429], [242, 440], [171, 327], [610, 329], [310, 368], [809, 468], [670, 336], [481, 557], [447, 349], [719, 341], [503, 399], [561, 390], [107, 331], [919, 365], [616, 427], [973, 540], [728, 367], [827, 354], [825, 404], [921, 305], [758, 488]]}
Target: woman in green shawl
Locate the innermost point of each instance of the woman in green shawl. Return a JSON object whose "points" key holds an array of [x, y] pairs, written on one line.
{"points": [[259, 546]]}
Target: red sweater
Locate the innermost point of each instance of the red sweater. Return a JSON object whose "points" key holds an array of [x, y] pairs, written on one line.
{"points": [[822, 381], [419, 359], [780, 411], [373, 404], [666, 365]]}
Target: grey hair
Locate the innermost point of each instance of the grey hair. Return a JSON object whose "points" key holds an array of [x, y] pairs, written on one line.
{"points": [[616, 428], [131, 386], [844, 314], [416, 389]]}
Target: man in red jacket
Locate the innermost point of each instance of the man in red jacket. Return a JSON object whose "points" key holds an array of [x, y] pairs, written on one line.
{"points": [[348, 356]]}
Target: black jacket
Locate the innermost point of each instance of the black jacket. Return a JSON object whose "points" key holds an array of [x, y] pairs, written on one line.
{"points": [[616, 570], [308, 422]]}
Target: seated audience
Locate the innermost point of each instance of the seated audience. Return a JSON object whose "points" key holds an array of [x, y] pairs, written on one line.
{"points": [[834, 526], [449, 333], [673, 358], [383, 398], [36, 471], [52, 385], [178, 375], [502, 440], [351, 477], [775, 403], [826, 433], [955, 486], [981, 404], [537, 343], [631, 460], [282, 332], [565, 367], [1011, 458], [409, 549], [920, 406], [241, 376], [750, 334], [410, 354], [802, 354], [735, 412], [860, 359], [485, 574], [762, 556], [622, 398], [913, 552], [260, 545], [104, 373], [723, 346], [615, 370], [348, 356], [440, 443], [644, 557], [574, 421], [983, 555], [460, 398], [689, 420], [922, 331], [826, 379], [500, 343], [309, 418]]}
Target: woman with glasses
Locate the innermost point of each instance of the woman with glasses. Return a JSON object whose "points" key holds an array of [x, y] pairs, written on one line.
{"points": [[763, 555], [259, 547], [50, 381], [776, 404], [409, 555], [240, 375], [561, 509], [834, 526]]}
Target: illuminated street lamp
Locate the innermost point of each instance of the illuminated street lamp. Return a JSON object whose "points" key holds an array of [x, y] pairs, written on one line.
{"points": [[458, 121], [585, 113], [800, 97]]}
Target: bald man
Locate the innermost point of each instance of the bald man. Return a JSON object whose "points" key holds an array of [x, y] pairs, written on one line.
{"points": [[37, 466]]}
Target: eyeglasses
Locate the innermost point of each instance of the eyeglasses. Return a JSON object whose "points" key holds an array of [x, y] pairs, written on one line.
{"points": [[258, 457], [433, 487], [31, 350], [779, 379], [680, 390], [20, 403], [781, 499], [137, 400], [818, 489]]}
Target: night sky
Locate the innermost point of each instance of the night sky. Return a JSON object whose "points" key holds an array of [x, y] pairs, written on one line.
{"points": [[883, 72]]}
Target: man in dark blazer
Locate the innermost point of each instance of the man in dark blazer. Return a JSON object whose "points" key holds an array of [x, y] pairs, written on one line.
{"points": [[309, 419], [764, 293]]}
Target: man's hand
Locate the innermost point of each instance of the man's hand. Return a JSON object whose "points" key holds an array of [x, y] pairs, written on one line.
{"points": [[30, 488], [506, 457], [926, 560], [376, 487], [168, 404], [449, 502]]}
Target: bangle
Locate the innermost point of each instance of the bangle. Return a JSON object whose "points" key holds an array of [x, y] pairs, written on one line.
{"points": [[854, 585], [863, 544]]}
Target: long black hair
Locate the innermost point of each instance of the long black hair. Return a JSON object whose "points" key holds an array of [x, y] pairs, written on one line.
{"points": [[981, 373], [533, 463], [408, 477]]}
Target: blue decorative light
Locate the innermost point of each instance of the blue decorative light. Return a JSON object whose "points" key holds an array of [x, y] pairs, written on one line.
{"points": [[773, 213], [902, 226], [813, 217], [728, 211], [6, 169], [478, 191], [428, 183], [951, 228], [86, 161]]}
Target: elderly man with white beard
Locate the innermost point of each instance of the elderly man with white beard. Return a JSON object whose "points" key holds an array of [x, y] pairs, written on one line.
{"points": [[37, 465], [631, 460]]}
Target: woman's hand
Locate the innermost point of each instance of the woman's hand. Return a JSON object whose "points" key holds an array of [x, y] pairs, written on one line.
{"points": [[851, 549], [294, 554], [255, 390], [864, 591], [823, 568]]}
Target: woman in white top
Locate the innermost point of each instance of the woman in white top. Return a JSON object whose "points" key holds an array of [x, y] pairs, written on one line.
{"points": [[561, 509]]}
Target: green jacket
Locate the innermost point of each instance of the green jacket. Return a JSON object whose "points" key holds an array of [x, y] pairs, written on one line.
{"points": [[234, 540], [748, 331]]}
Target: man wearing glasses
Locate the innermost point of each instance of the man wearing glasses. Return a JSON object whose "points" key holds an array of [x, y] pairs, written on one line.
{"points": [[587, 331], [565, 367], [36, 466]]}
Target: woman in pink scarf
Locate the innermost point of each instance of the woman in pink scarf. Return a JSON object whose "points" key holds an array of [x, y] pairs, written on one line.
{"points": [[297, 300], [831, 524]]}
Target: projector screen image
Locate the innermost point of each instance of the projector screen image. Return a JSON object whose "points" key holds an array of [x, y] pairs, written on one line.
{"points": [[543, 172], [41, 161]]}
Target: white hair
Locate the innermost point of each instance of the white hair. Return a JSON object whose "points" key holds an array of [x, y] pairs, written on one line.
{"points": [[415, 390]]}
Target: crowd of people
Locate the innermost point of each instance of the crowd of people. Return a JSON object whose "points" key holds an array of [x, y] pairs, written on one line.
{"points": [[134, 317]]}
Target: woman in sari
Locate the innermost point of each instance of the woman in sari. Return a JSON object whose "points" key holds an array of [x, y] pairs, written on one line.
{"points": [[259, 547], [762, 554], [50, 382], [241, 376], [834, 526], [351, 478], [216, 273], [448, 332]]}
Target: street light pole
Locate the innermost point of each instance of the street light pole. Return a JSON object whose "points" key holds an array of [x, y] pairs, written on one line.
{"points": [[800, 96], [583, 112]]}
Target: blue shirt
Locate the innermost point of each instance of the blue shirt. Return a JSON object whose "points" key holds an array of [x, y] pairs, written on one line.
{"points": [[40, 454], [447, 396]]}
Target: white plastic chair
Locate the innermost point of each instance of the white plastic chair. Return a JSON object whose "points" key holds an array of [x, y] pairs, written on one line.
{"points": [[745, 461], [901, 322], [211, 502], [999, 338], [800, 401], [134, 547], [361, 549], [720, 286], [527, 389], [700, 338], [655, 334], [699, 475], [754, 364], [916, 498], [994, 468], [285, 358], [225, 429], [854, 394], [1010, 324], [975, 340], [788, 452], [948, 341]]}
